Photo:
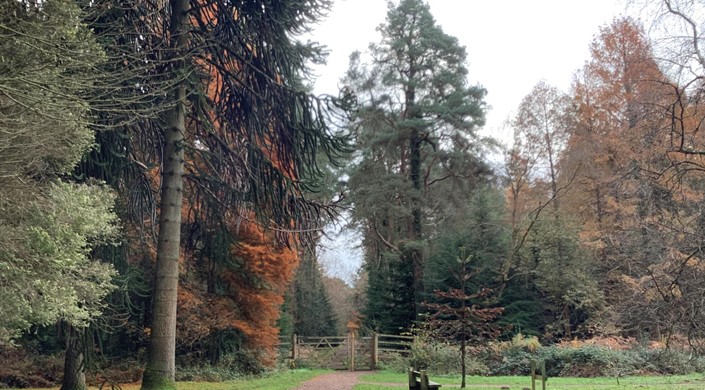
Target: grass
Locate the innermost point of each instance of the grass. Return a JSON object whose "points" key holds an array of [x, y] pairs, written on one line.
{"points": [[384, 379], [283, 380]]}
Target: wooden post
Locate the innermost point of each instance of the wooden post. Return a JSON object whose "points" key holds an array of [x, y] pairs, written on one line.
{"points": [[423, 380], [543, 375], [294, 347], [412, 379], [374, 341], [351, 345]]}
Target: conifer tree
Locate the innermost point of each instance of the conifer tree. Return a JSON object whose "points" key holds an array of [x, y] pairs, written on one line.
{"points": [[416, 132], [311, 308], [226, 114]]}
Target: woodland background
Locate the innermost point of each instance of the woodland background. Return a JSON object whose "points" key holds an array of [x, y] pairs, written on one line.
{"points": [[146, 146]]}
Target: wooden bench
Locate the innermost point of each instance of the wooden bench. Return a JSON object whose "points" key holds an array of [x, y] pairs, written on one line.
{"points": [[418, 380]]}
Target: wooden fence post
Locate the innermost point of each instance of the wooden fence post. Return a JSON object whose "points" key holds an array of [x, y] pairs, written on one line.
{"points": [[374, 351], [535, 376], [351, 346], [294, 346], [543, 374]]}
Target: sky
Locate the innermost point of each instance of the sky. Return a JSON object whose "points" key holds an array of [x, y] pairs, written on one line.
{"points": [[511, 46]]}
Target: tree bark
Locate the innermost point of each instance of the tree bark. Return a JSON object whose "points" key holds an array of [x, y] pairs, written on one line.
{"points": [[161, 361], [415, 255], [74, 363]]}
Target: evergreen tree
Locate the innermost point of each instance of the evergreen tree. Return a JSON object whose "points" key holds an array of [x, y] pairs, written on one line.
{"points": [[479, 231], [416, 133], [311, 309], [230, 122], [459, 316], [49, 225]]}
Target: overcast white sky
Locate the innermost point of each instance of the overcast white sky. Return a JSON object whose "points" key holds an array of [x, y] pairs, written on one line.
{"points": [[511, 45]]}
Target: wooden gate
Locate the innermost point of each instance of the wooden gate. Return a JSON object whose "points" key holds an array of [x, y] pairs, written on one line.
{"points": [[350, 352], [332, 352]]}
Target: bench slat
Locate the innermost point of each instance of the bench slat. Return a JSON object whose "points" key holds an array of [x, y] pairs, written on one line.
{"points": [[418, 380]]}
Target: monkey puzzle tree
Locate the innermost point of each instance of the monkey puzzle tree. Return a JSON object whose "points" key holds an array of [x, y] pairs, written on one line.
{"points": [[416, 132], [458, 313], [236, 122]]}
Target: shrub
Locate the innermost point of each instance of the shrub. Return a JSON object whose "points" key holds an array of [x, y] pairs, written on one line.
{"points": [[21, 369], [586, 361], [669, 361], [231, 366], [438, 358], [591, 361], [206, 373], [512, 357], [601, 361]]}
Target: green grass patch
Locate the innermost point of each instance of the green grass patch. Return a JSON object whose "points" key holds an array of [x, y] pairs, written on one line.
{"points": [[280, 380], [384, 379], [283, 380]]}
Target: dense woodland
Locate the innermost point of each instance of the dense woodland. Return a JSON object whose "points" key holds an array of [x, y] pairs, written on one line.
{"points": [[166, 175]]}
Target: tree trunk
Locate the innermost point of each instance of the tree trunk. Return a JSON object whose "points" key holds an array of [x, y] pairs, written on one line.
{"points": [[464, 335], [161, 361], [74, 364], [414, 254]]}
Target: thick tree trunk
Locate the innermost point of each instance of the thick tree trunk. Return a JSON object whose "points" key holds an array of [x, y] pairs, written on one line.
{"points": [[161, 361], [74, 364]]}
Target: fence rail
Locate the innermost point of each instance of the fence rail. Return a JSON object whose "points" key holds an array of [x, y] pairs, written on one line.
{"points": [[344, 347]]}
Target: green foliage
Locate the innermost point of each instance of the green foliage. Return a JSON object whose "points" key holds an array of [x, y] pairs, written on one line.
{"points": [[477, 229], [230, 366], [46, 58], [390, 295], [436, 357], [310, 306], [523, 309], [49, 227], [514, 358], [47, 273], [569, 298], [416, 133]]}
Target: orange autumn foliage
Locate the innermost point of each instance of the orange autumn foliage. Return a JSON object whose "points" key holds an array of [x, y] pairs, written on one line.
{"points": [[250, 294], [268, 270]]}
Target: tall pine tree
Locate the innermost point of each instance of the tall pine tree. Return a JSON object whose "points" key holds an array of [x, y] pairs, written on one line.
{"points": [[416, 133]]}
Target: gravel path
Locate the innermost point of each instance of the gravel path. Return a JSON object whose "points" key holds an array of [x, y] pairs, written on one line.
{"points": [[339, 380]]}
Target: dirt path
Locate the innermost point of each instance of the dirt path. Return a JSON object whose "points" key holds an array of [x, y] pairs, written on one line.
{"points": [[339, 380]]}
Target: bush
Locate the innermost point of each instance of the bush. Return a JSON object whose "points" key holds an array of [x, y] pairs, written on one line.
{"points": [[514, 361], [438, 358], [587, 361], [590, 361], [669, 361], [231, 366], [206, 373], [512, 357], [21, 369]]}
